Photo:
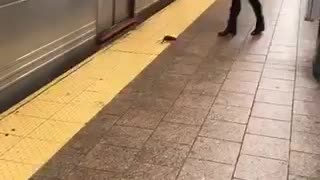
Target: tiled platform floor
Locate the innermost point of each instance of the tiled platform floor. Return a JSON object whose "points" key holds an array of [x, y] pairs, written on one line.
{"points": [[210, 108]]}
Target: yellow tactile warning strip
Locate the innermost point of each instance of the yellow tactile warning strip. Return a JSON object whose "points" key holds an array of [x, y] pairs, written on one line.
{"points": [[33, 131]]}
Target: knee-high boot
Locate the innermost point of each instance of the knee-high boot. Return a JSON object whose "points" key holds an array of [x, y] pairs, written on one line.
{"points": [[260, 24], [232, 22]]}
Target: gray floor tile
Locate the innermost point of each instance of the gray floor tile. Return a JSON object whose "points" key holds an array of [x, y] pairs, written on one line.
{"points": [[309, 143], [150, 172], [59, 166], [306, 108], [194, 101], [91, 174], [185, 69], [153, 103], [110, 158], [234, 99], [223, 130], [141, 118], [202, 87], [276, 85], [295, 177], [283, 49], [198, 169], [240, 86], [247, 66], [177, 133], [117, 107], [305, 94], [278, 74], [271, 111], [282, 56], [306, 165], [307, 82], [248, 76], [250, 167], [253, 58], [164, 153], [306, 124], [127, 136], [186, 115], [274, 97], [215, 150], [229, 113], [209, 77], [280, 66], [267, 127], [261, 146]]}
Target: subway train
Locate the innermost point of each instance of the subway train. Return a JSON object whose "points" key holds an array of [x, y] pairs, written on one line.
{"points": [[41, 39]]}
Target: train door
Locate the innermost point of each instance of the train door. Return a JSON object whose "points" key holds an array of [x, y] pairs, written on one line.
{"points": [[122, 10], [112, 13], [105, 15]]}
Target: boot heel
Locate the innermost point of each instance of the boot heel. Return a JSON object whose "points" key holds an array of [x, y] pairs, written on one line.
{"points": [[260, 27], [226, 33], [257, 32]]}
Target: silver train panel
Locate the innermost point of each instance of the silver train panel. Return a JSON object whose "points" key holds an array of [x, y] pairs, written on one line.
{"points": [[104, 18], [142, 4], [32, 28], [122, 10], [40, 39]]}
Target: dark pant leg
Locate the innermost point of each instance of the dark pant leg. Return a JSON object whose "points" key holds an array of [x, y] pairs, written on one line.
{"points": [[257, 8], [234, 13]]}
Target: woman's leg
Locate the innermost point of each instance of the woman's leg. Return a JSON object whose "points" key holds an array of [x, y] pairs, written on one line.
{"points": [[257, 8], [232, 22]]}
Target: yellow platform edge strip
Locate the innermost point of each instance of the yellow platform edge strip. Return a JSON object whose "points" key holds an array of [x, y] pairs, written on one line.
{"points": [[35, 129]]}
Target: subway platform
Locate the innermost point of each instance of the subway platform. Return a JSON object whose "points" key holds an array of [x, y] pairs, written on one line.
{"points": [[199, 108]]}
